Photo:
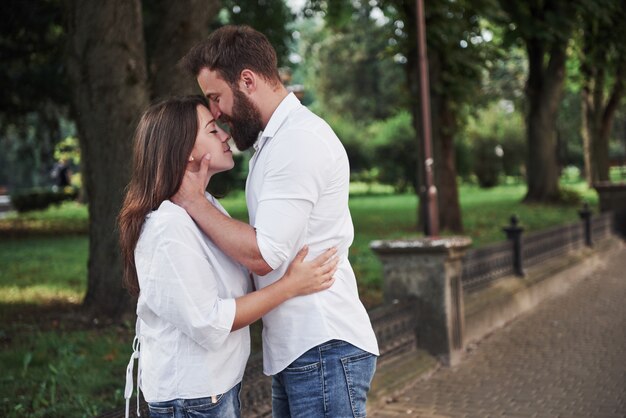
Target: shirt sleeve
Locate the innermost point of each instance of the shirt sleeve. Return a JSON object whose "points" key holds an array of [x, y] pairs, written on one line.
{"points": [[295, 177], [182, 289]]}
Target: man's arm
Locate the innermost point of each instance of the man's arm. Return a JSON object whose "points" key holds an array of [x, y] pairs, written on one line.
{"points": [[237, 239]]}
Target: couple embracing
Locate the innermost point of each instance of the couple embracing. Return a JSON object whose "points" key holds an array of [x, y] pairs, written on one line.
{"points": [[191, 265]]}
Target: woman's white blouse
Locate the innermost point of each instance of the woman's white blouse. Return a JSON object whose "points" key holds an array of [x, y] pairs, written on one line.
{"points": [[186, 309]]}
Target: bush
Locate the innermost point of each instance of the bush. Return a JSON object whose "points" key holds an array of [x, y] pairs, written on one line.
{"points": [[495, 137], [39, 198], [487, 161], [394, 151], [352, 135], [570, 197]]}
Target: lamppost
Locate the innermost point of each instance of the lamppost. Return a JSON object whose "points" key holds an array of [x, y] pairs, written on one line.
{"points": [[429, 190]]}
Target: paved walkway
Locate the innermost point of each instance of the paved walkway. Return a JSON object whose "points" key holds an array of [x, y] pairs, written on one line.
{"points": [[566, 358]]}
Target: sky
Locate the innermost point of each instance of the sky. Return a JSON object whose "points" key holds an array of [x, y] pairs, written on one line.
{"points": [[295, 5]]}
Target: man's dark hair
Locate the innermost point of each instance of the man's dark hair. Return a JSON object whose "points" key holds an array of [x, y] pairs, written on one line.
{"points": [[231, 49]]}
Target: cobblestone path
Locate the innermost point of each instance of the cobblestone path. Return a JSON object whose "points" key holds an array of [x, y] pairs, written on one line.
{"points": [[566, 358]]}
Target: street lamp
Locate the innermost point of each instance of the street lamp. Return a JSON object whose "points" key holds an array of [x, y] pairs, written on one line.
{"points": [[429, 190]]}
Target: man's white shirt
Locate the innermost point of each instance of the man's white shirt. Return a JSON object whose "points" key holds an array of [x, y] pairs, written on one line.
{"points": [[297, 193]]}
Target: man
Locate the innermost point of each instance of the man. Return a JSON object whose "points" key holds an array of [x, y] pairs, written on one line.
{"points": [[320, 349]]}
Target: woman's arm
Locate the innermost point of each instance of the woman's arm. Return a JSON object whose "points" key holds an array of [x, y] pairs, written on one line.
{"points": [[302, 278]]}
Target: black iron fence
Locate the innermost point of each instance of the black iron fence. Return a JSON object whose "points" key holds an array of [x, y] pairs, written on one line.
{"points": [[483, 266]]}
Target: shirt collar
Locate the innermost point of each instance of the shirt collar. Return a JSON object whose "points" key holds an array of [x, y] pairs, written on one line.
{"points": [[279, 116]]}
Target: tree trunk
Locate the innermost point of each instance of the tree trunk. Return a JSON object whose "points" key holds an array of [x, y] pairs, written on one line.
{"points": [[585, 133], [450, 218], [543, 91], [598, 118], [106, 63], [606, 124], [413, 85], [444, 127], [179, 25]]}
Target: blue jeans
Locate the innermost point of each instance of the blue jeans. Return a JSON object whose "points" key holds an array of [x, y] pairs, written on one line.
{"points": [[330, 380], [226, 406]]}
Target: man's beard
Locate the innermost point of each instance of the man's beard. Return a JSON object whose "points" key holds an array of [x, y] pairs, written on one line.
{"points": [[245, 122]]}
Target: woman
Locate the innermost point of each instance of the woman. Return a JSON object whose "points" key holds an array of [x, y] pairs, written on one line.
{"points": [[193, 307]]}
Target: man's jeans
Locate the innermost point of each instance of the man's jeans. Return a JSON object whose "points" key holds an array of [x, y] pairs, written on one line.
{"points": [[225, 406], [330, 380]]}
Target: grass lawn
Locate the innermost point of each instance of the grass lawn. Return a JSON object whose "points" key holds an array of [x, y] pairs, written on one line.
{"points": [[56, 364]]}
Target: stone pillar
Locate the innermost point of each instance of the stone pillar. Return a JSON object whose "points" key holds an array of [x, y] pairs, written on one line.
{"points": [[612, 198], [429, 271]]}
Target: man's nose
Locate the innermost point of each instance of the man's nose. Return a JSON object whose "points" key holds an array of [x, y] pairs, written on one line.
{"points": [[215, 110]]}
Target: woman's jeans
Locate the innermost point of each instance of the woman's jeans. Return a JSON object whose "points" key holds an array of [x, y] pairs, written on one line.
{"points": [[330, 380], [225, 406]]}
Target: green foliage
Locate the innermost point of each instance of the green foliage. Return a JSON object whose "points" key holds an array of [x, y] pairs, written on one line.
{"points": [[271, 17], [354, 137], [34, 89], [63, 219], [496, 144], [235, 179], [40, 198], [569, 196], [355, 73], [570, 142], [68, 150], [487, 160], [42, 270], [31, 51], [51, 367], [394, 150], [506, 73], [62, 373], [459, 43], [384, 151]]}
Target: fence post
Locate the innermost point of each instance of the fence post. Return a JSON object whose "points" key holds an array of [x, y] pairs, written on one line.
{"points": [[585, 215], [514, 234], [429, 270]]}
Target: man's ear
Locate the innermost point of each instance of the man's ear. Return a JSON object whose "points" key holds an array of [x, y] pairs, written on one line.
{"points": [[248, 81]]}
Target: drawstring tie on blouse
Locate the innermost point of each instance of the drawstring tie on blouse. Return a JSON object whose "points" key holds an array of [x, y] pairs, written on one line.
{"points": [[128, 390]]}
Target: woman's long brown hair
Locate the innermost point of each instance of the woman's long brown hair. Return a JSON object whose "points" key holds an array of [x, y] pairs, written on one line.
{"points": [[163, 142]]}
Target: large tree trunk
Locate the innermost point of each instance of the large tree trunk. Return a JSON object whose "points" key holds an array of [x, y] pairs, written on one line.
{"points": [[106, 63], [543, 91], [178, 25]]}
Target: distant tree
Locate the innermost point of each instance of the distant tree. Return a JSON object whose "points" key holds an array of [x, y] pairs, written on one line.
{"points": [[603, 70], [545, 27]]}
